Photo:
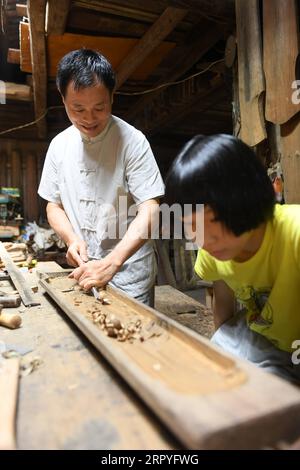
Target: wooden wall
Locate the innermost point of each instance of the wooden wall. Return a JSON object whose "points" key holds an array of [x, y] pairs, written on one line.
{"points": [[21, 165]]}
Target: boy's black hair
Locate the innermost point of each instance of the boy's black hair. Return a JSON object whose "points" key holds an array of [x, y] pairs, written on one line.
{"points": [[224, 173], [85, 68]]}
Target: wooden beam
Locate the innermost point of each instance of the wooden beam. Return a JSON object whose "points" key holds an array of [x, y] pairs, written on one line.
{"points": [[13, 56], [151, 39], [181, 59], [37, 14], [15, 91], [172, 105], [115, 49], [56, 18], [21, 10], [220, 10]]}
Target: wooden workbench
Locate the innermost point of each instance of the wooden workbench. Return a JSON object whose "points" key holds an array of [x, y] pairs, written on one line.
{"points": [[74, 399]]}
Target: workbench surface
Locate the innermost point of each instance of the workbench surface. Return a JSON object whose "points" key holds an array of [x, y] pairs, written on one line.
{"points": [[74, 399]]}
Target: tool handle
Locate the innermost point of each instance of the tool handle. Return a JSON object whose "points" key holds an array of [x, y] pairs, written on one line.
{"points": [[10, 321], [9, 376], [10, 300]]}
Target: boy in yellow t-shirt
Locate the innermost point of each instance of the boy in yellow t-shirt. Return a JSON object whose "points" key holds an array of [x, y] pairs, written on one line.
{"points": [[251, 250]]}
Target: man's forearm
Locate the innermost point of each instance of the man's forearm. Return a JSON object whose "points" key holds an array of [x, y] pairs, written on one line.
{"points": [[60, 223], [138, 232]]}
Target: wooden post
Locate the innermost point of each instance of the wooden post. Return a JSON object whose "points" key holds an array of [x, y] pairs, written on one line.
{"points": [[36, 13], [290, 146], [153, 37], [31, 207], [57, 13]]}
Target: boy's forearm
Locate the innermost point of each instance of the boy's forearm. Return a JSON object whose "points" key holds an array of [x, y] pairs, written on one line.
{"points": [[60, 223]]}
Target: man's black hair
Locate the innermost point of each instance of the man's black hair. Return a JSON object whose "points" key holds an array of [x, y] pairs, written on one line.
{"points": [[224, 173], [85, 68]]}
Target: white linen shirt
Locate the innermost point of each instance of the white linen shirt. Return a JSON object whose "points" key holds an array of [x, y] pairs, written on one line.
{"points": [[87, 176]]}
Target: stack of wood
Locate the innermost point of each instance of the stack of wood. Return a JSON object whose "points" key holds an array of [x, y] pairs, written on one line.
{"points": [[17, 251]]}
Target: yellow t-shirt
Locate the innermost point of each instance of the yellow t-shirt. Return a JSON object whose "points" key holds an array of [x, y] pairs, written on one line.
{"points": [[268, 284]]}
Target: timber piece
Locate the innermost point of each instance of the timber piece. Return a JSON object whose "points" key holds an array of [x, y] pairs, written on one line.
{"points": [[30, 179], [17, 279], [10, 300], [251, 82], [13, 56], [207, 398], [290, 159], [280, 53], [151, 39], [21, 9], [36, 14], [57, 15], [9, 377], [67, 411], [15, 91], [115, 49]]}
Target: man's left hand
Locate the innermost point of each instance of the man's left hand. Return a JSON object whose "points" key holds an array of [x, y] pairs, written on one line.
{"points": [[95, 273]]}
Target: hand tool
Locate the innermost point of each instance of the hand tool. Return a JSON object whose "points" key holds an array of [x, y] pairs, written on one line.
{"points": [[10, 300], [95, 293], [10, 321]]}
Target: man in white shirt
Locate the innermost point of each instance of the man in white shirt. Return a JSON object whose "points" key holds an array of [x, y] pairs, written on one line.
{"points": [[94, 171]]}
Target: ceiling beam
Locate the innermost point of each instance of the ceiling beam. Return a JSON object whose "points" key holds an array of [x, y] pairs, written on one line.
{"points": [[175, 103], [56, 16], [202, 38], [37, 15], [162, 27]]}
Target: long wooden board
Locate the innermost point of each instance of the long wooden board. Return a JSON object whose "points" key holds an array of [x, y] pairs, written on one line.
{"points": [[251, 82], [281, 48], [209, 400]]}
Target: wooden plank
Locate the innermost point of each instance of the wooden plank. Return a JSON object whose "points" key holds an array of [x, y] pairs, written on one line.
{"points": [[280, 36], [151, 39], [57, 14], [21, 9], [251, 82], [30, 199], [18, 279], [115, 49], [74, 399], [15, 91], [36, 14], [13, 56], [290, 159], [9, 378], [208, 399]]}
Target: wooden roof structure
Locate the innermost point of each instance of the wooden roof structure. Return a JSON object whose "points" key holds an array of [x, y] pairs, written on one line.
{"points": [[150, 44]]}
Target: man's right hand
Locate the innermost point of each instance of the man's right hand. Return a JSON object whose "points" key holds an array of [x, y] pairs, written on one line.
{"points": [[77, 253]]}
